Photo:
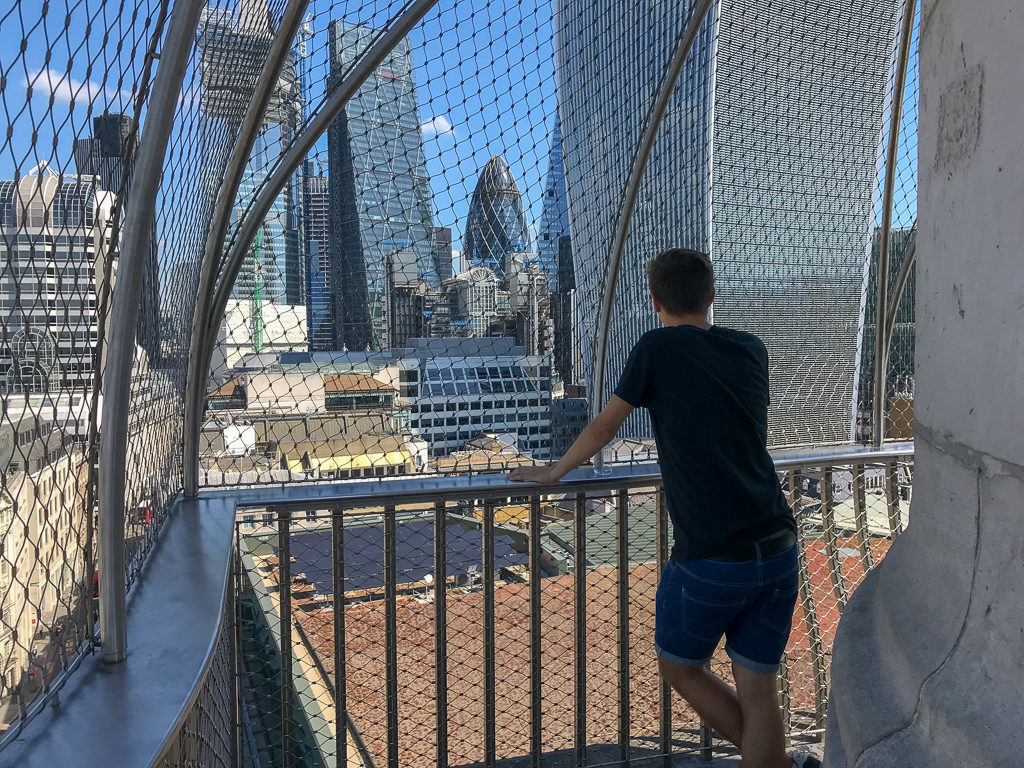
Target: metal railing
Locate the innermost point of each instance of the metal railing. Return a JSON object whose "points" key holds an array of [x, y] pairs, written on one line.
{"points": [[470, 621]]}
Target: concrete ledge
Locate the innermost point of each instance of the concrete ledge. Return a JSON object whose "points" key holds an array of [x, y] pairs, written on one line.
{"points": [[123, 714]]}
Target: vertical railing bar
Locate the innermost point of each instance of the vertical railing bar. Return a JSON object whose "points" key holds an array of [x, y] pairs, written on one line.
{"points": [[340, 657], [391, 630], [860, 509], [284, 592], [665, 690], [441, 631], [490, 734], [236, 646], [536, 701], [707, 745], [892, 493], [807, 602], [828, 526], [622, 625], [580, 629], [787, 709]]}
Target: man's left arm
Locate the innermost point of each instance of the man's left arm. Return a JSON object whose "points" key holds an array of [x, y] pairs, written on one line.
{"points": [[596, 436]]}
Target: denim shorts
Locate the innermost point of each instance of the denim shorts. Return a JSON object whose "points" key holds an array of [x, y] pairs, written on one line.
{"points": [[750, 602]]}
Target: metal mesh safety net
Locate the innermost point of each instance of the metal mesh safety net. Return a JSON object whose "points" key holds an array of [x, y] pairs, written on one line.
{"points": [[384, 246]]}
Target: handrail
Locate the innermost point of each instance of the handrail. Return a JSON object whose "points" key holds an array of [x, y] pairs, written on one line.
{"points": [[431, 488]]}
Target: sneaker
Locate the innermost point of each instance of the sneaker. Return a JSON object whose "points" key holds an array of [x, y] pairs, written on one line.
{"points": [[804, 760]]}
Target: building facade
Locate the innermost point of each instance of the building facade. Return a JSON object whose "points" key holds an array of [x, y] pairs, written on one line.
{"points": [[379, 190], [554, 221], [110, 156], [316, 230], [443, 253], [792, 187], [448, 391], [496, 224], [55, 240], [469, 387]]}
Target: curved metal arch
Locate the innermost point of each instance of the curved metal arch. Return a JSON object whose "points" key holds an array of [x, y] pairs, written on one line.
{"points": [[881, 361], [124, 311], [258, 212], [248, 132], [639, 166], [897, 294]]}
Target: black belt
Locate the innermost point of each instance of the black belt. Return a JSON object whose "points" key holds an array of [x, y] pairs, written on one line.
{"points": [[775, 544]]}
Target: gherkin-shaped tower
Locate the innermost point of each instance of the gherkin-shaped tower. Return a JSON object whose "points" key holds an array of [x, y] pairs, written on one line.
{"points": [[496, 225]]}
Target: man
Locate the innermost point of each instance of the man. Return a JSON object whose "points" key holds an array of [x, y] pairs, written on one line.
{"points": [[733, 569]]}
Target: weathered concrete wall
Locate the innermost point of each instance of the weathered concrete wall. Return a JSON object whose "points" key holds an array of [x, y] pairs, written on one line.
{"points": [[929, 659]]}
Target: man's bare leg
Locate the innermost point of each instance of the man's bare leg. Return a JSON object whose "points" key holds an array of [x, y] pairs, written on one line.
{"points": [[763, 739], [713, 700]]}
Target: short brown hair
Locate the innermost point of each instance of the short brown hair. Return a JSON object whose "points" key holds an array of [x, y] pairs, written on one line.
{"points": [[683, 281]]}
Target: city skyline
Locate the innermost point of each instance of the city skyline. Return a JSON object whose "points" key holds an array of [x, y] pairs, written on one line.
{"points": [[434, 129]]}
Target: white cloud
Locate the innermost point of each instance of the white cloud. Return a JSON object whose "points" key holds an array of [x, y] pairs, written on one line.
{"points": [[436, 126], [65, 89]]}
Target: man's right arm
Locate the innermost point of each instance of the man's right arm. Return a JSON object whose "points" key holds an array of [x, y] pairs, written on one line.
{"points": [[596, 436]]}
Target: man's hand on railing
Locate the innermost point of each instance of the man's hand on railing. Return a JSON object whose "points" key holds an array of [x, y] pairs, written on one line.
{"points": [[542, 475], [596, 436]]}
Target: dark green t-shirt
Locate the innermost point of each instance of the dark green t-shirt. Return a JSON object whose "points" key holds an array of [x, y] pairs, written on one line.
{"points": [[707, 393]]}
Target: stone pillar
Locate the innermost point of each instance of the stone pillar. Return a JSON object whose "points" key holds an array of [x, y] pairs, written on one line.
{"points": [[929, 660]]}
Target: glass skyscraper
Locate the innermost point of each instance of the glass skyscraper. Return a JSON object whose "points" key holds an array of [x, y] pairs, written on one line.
{"points": [[316, 223], [233, 49], [496, 224], [554, 221], [379, 189], [774, 178]]}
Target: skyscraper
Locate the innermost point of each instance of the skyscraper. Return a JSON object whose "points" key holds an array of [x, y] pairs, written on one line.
{"points": [[379, 190], [792, 179], [567, 359], [554, 221], [316, 229], [51, 293], [443, 253], [496, 225], [233, 48], [110, 156]]}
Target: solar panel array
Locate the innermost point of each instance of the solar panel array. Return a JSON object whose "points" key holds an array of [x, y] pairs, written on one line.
{"points": [[364, 555]]}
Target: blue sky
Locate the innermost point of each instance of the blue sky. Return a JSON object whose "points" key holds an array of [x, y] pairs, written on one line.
{"points": [[485, 75]]}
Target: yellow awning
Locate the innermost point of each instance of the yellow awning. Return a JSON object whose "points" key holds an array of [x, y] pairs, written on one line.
{"points": [[349, 463]]}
